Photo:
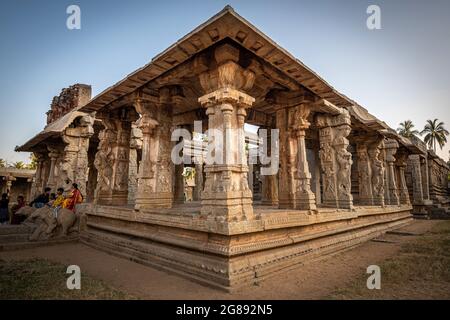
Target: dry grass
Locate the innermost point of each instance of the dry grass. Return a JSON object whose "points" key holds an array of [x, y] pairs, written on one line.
{"points": [[43, 279], [421, 270]]}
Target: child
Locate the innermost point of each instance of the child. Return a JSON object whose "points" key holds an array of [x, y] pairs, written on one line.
{"points": [[58, 202]]}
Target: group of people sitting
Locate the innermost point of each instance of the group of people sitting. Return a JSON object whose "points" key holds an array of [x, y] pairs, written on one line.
{"points": [[55, 201]]}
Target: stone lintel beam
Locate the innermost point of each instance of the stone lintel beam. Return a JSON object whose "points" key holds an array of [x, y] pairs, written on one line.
{"points": [[326, 106]]}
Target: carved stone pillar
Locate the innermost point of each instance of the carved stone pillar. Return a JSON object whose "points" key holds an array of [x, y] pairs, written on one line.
{"points": [[305, 198], [53, 155], [288, 151], [198, 189], [401, 163], [269, 187], [391, 147], [112, 161], [226, 196], [387, 196], [335, 160], [135, 145], [327, 163], [416, 172], [344, 162], [38, 178], [179, 184], [154, 189], [364, 174], [74, 160], [9, 183], [377, 171], [425, 178]]}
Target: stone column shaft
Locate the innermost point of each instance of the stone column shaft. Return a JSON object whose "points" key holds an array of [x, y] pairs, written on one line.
{"points": [[391, 147], [53, 155], [305, 198], [156, 170], [227, 196], [269, 187], [425, 178], [335, 160], [198, 189], [416, 179], [364, 175], [377, 171]]}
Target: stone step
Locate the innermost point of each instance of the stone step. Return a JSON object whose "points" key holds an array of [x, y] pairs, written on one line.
{"points": [[19, 245], [18, 237], [15, 229]]}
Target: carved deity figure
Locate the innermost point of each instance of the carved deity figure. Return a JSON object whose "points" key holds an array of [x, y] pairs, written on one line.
{"points": [[344, 160], [377, 174]]}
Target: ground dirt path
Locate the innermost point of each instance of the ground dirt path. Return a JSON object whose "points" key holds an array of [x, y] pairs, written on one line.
{"points": [[313, 280]]}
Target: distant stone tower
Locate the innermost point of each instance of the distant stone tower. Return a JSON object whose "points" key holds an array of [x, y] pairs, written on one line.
{"points": [[69, 99]]}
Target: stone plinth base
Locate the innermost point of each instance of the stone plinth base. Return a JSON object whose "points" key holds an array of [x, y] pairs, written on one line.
{"points": [[182, 242]]}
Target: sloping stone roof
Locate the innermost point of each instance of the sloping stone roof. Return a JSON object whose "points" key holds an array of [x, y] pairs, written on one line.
{"points": [[53, 129], [226, 23]]}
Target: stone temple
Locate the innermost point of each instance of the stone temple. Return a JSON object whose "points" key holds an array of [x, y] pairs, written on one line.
{"points": [[342, 177]]}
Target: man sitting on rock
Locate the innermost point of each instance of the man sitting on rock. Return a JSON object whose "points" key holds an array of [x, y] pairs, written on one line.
{"points": [[42, 199]]}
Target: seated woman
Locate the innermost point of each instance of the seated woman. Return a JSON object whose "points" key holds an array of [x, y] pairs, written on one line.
{"points": [[74, 198], [17, 218]]}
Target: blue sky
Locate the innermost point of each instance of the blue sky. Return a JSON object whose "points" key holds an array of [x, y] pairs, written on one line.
{"points": [[399, 72]]}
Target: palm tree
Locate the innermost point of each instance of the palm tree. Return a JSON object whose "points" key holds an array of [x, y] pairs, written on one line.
{"points": [[19, 165], [406, 129], [435, 133], [33, 162]]}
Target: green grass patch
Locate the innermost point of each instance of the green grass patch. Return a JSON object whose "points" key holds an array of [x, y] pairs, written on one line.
{"points": [[421, 270], [43, 279]]}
